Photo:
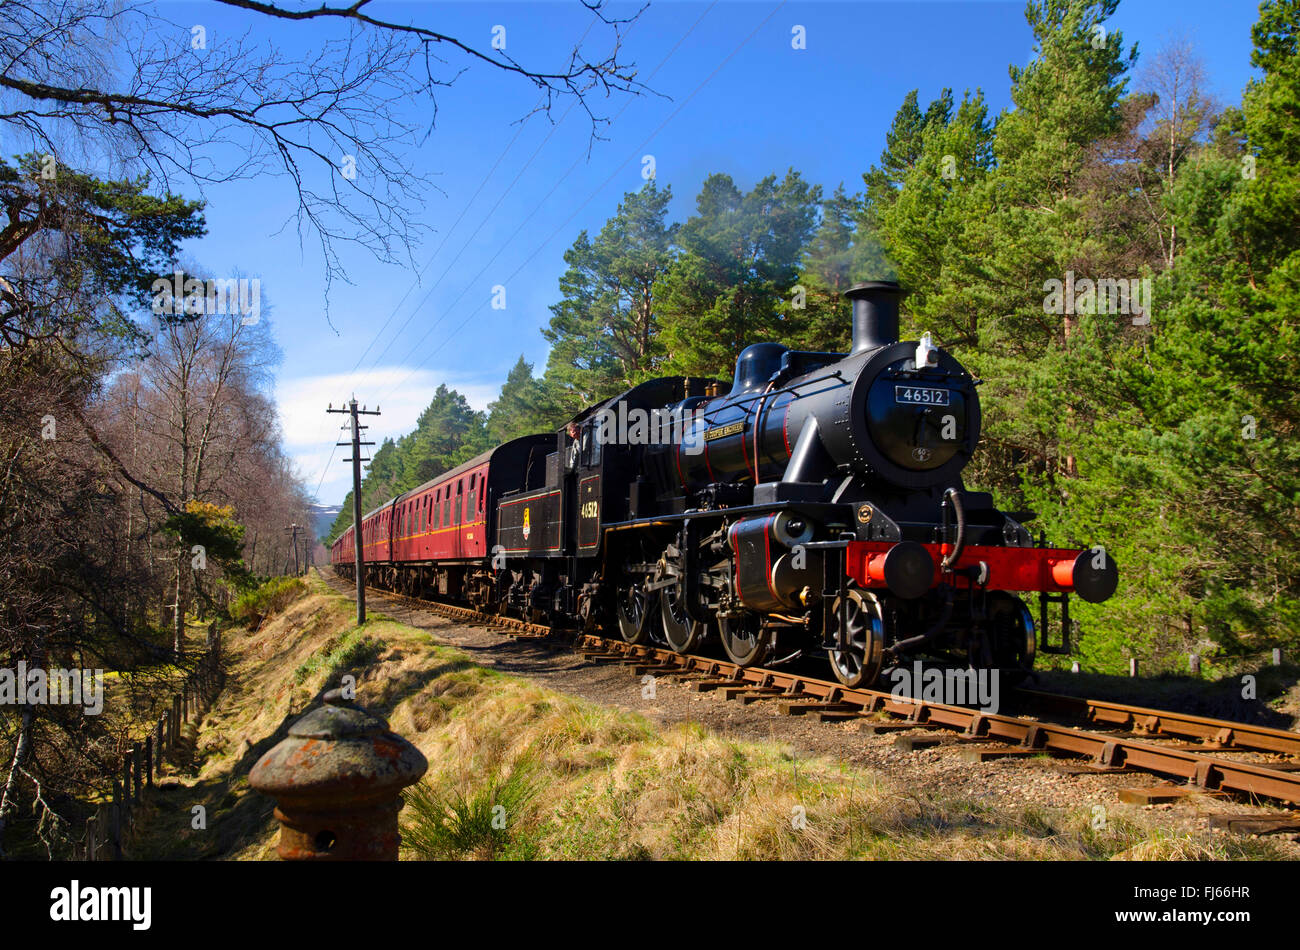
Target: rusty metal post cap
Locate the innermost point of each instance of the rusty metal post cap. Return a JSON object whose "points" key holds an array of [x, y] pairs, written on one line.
{"points": [[336, 755], [337, 779]]}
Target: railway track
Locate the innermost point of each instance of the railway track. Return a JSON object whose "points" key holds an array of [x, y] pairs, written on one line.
{"points": [[1116, 738]]}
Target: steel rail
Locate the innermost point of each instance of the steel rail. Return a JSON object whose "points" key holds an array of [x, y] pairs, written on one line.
{"points": [[1223, 733], [1109, 751]]}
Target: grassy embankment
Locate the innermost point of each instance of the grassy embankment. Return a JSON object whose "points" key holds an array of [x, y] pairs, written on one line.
{"points": [[576, 780]]}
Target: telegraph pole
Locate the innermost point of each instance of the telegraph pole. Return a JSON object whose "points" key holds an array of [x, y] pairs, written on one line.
{"points": [[297, 571], [351, 409]]}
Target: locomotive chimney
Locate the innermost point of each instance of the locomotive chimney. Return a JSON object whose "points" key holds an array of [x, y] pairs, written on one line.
{"points": [[875, 314]]}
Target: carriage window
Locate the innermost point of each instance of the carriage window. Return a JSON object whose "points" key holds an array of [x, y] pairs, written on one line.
{"points": [[595, 444]]}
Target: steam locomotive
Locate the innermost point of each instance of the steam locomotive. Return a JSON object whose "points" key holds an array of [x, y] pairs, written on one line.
{"points": [[816, 507]]}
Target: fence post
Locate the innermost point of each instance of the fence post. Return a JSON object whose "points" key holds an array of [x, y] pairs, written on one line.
{"points": [[137, 759], [115, 821], [1133, 667], [148, 761], [1194, 664], [1277, 656], [91, 828], [126, 781], [159, 730]]}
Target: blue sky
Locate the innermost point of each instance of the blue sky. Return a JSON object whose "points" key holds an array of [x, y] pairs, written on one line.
{"points": [[741, 101]]}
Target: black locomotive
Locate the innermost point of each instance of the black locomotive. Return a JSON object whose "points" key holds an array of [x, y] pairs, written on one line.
{"points": [[816, 506]]}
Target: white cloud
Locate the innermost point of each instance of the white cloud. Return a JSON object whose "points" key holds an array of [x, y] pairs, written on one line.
{"points": [[402, 395]]}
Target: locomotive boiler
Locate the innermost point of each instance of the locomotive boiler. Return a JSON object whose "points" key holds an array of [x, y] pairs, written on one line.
{"points": [[816, 506]]}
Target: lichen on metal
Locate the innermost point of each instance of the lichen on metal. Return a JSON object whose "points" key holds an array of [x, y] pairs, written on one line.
{"points": [[337, 780]]}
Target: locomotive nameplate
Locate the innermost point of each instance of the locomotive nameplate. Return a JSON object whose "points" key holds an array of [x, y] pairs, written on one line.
{"points": [[921, 396], [723, 431]]}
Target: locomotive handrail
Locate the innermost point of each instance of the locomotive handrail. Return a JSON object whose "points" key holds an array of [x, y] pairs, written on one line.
{"points": [[834, 374]]}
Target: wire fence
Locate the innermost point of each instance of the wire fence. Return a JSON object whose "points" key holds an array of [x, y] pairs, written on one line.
{"points": [[143, 761]]}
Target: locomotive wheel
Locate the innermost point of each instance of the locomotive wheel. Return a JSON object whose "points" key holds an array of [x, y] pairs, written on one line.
{"points": [[681, 630], [1014, 634], [744, 640], [634, 613], [859, 665]]}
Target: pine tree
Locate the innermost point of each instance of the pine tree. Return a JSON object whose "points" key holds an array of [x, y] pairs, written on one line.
{"points": [[526, 405], [604, 332], [842, 252], [447, 433], [732, 283]]}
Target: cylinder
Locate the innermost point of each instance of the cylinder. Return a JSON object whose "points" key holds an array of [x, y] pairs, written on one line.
{"points": [[760, 545]]}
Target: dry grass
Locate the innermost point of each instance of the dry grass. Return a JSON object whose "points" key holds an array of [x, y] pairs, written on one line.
{"points": [[521, 772]]}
